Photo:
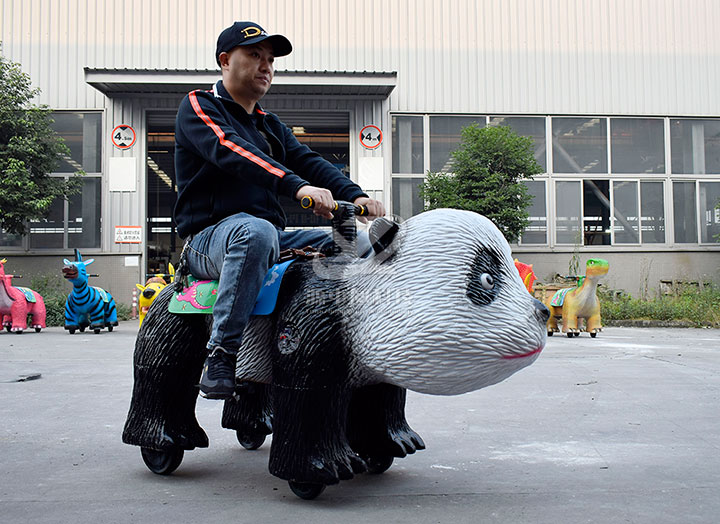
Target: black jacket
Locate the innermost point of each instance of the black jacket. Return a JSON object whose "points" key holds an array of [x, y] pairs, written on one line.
{"points": [[224, 166]]}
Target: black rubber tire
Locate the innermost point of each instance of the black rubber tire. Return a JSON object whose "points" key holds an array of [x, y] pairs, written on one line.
{"points": [[38, 330], [82, 329], [306, 490], [7, 328], [71, 331], [576, 334], [250, 442], [96, 331], [378, 465], [110, 328], [162, 462], [550, 333], [593, 335], [570, 335]]}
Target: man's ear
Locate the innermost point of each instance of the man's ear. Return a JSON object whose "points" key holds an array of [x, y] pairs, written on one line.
{"points": [[223, 59]]}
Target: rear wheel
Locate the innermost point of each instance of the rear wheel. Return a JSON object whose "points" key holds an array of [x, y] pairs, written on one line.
{"points": [[593, 334], [250, 441], [162, 462]]}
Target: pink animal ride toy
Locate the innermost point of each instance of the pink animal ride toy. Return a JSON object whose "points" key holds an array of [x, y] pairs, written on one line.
{"points": [[16, 303]]}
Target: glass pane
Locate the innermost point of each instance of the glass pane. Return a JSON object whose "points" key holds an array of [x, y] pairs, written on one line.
{"points": [[567, 213], [82, 134], [625, 213], [48, 233], [637, 145], [536, 232], [445, 138], [710, 212], [533, 127], [695, 146], [652, 205], [84, 215], [10, 240], [684, 212], [596, 212], [579, 145], [406, 197], [407, 144]]}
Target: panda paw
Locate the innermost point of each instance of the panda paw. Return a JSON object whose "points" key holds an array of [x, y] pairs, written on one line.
{"points": [[404, 441], [329, 468]]}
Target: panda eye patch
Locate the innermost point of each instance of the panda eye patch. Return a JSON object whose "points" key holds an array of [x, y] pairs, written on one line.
{"points": [[485, 278]]}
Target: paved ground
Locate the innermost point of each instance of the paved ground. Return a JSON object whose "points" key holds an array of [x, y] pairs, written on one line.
{"points": [[621, 428]]}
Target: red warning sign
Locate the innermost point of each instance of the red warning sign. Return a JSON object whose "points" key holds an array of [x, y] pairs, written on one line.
{"points": [[123, 136]]}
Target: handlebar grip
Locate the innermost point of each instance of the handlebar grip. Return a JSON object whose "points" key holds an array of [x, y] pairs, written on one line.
{"points": [[307, 202]]}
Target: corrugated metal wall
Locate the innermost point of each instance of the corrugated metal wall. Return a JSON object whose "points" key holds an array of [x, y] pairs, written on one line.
{"points": [[516, 56]]}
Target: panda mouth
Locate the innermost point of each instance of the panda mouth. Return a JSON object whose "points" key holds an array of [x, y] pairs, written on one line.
{"points": [[524, 355]]}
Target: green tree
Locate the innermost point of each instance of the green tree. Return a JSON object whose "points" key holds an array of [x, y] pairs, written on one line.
{"points": [[487, 173], [29, 150]]}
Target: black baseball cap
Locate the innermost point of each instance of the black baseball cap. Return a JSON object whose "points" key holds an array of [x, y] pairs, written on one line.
{"points": [[248, 33]]}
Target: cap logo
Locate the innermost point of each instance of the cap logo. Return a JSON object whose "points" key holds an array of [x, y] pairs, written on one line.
{"points": [[249, 32]]}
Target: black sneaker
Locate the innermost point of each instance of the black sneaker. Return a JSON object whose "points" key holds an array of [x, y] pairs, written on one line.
{"points": [[218, 376]]}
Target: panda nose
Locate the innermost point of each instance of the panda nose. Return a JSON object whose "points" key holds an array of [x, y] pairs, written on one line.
{"points": [[148, 293], [541, 311]]}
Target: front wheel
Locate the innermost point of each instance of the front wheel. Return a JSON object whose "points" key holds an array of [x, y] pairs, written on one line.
{"points": [[110, 328], [378, 465], [593, 334], [162, 462], [37, 330], [306, 490]]}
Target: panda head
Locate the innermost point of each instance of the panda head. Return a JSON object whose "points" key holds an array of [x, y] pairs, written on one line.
{"points": [[441, 308]]}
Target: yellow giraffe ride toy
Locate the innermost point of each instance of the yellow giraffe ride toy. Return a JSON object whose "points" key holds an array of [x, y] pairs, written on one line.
{"points": [[581, 302]]}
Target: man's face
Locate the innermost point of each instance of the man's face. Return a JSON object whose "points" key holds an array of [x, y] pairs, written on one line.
{"points": [[248, 70]]}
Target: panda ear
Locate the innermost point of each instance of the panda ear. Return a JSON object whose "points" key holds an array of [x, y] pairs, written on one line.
{"points": [[66, 262], [89, 261], [382, 234]]}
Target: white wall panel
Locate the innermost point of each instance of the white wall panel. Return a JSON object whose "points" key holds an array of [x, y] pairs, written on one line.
{"points": [[515, 56]]}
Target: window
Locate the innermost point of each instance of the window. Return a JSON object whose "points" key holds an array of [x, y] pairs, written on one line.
{"points": [[626, 227], [406, 197], [596, 212], [652, 212], [579, 145], [74, 223], [445, 135], [533, 127], [684, 212], [407, 144], [536, 232], [709, 212], [567, 212], [695, 146], [637, 145]]}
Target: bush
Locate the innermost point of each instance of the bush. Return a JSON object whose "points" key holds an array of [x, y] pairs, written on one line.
{"points": [[54, 290], [701, 307]]}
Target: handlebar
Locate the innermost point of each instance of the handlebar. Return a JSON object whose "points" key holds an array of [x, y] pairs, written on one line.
{"points": [[307, 202]]}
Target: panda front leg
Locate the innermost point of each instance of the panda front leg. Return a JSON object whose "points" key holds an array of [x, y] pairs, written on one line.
{"points": [[377, 428], [311, 401]]}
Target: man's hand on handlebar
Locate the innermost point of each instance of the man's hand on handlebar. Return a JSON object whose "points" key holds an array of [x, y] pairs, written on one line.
{"points": [[375, 208], [323, 201]]}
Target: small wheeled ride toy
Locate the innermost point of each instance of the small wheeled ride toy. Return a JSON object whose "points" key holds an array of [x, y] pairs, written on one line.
{"points": [[86, 305], [16, 303], [439, 308]]}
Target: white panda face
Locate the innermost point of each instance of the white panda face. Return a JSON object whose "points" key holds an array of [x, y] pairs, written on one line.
{"points": [[446, 311]]}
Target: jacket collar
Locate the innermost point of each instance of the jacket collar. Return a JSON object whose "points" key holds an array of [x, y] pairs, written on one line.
{"points": [[220, 92]]}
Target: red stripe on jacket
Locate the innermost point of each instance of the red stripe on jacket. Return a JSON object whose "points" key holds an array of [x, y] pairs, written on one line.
{"points": [[232, 145]]}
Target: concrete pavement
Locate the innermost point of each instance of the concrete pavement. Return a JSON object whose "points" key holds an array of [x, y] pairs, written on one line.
{"points": [[621, 428]]}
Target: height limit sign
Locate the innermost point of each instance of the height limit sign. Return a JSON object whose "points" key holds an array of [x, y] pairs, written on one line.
{"points": [[371, 137], [123, 136]]}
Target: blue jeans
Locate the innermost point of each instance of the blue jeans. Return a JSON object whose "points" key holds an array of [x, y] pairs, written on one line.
{"points": [[238, 251]]}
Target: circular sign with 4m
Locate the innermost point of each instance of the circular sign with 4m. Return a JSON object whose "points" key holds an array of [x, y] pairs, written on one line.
{"points": [[123, 136]]}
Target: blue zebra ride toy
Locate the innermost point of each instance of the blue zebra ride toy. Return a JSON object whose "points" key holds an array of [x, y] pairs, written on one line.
{"points": [[86, 305]]}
